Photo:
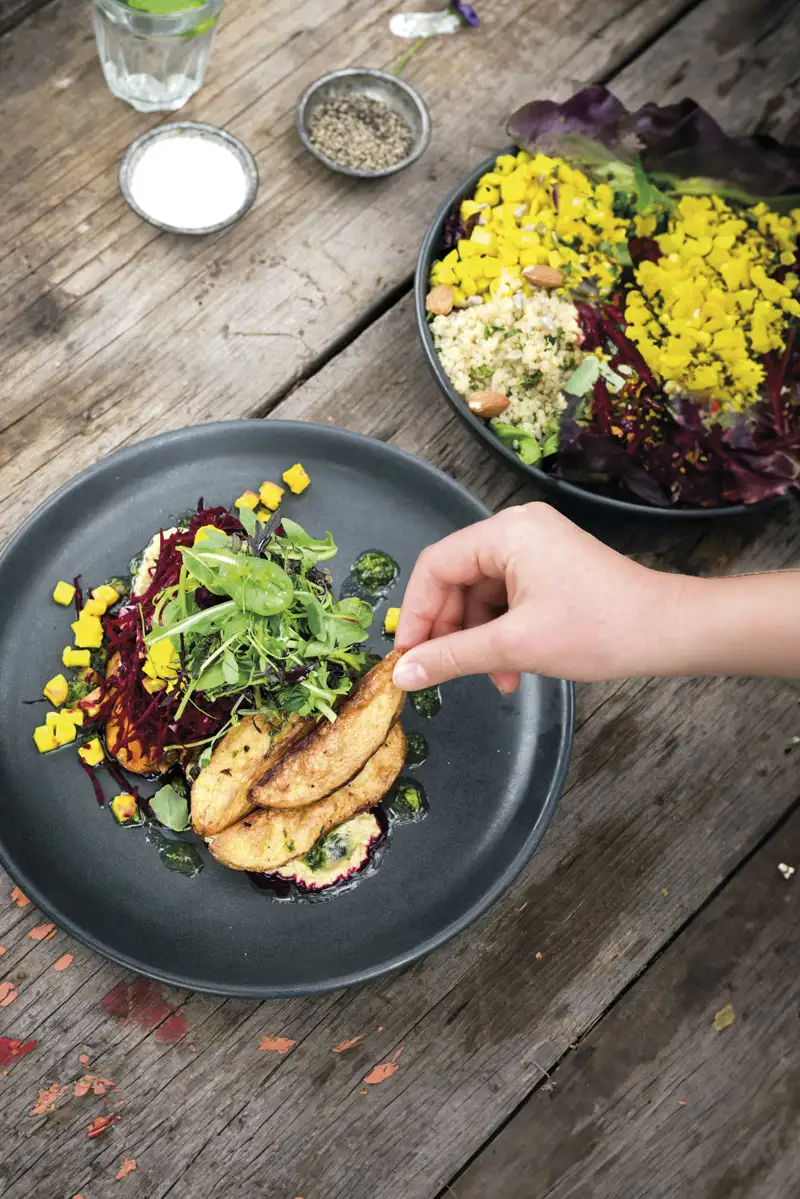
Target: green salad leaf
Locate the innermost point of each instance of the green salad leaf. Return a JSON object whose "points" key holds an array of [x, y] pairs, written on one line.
{"points": [[170, 808]]}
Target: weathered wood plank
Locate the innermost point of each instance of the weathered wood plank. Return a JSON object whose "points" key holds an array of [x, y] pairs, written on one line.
{"points": [[475, 1021], [656, 1091], [14, 12]]}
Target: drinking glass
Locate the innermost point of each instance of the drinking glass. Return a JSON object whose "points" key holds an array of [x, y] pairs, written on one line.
{"points": [[154, 52]]}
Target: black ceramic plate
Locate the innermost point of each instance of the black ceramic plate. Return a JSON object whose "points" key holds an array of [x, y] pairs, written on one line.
{"points": [[557, 489], [493, 778]]}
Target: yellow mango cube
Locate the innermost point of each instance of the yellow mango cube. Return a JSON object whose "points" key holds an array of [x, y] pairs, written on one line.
{"points": [[64, 729], [76, 715], [270, 495], [203, 532], [390, 620], [76, 657], [124, 808], [56, 690], [95, 607], [106, 594], [44, 739], [88, 631], [92, 752], [64, 593], [248, 499], [296, 478]]}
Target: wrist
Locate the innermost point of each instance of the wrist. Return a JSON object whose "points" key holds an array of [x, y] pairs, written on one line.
{"points": [[741, 625]]}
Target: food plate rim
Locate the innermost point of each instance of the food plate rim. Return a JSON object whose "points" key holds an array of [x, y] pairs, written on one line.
{"points": [[399, 961]]}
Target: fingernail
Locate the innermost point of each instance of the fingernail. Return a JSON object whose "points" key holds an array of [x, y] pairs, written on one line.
{"points": [[410, 676]]}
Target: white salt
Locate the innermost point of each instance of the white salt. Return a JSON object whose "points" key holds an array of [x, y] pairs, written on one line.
{"points": [[189, 181]]}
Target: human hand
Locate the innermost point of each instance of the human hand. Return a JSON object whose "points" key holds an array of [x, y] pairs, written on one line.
{"points": [[527, 590]]}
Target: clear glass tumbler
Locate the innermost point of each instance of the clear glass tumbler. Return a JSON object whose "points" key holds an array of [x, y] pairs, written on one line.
{"points": [[154, 53]]}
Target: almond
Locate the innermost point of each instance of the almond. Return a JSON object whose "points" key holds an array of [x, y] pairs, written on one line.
{"points": [[543, 276], [487, 403], [439, 300]]}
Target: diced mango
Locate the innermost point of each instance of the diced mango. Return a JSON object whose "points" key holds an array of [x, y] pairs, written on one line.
{"points": [[107, 594], [296, 478], [50, 719], [88, 631], [124, 808], [64, 729], [64, 593], [45, 739], [203, 532], [75, 714], [390, 620], [92, 752], [75, 657], [56, 690], [271, 495], [248, 499], [95, 607]]}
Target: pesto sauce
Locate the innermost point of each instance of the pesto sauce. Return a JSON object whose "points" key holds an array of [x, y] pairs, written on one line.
{"points": [[406, 802], [426, 703], [375, 571], [416, 749], [180, 857]]}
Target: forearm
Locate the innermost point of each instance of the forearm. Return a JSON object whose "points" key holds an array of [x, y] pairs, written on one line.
{"points": [[745, 625]]}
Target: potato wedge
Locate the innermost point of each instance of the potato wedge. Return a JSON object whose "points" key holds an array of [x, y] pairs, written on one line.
{"points": [[333, 753], [220, 791], [267, 838]]}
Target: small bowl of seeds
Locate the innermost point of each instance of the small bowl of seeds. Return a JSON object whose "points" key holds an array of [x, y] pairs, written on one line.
{"points": [[363, 123]]}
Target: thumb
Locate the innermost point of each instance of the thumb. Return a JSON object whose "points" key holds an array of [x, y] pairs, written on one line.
{"points": [[484, 649]]}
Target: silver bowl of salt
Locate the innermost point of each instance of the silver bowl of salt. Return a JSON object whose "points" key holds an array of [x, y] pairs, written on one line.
{"points": [[188, 177], [363, 123]]}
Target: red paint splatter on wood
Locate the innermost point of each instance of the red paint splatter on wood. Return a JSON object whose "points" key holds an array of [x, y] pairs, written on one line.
{"points": [[19, 898], [64, 962], [100, 1124], [380, 1028], [384, 1070], [538, 957], [363, 1091], [173, 1028], [127, 1167], [279, 1045], [11, 1050], [2, 950], [140, 1002], [83, 1058], [8, 993], [48, 1097], [42, 932], [343, 1046]]}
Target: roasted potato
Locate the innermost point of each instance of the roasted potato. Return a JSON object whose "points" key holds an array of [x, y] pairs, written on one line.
{"points": [[220, 791], [333, 753], [266, 839]]}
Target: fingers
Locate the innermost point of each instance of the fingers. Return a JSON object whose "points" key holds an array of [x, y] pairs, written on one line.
{"points": [[458, 561], [506, 681], [490, 648], [451, 614]]}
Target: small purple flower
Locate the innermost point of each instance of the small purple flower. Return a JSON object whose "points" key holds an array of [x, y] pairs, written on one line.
{"points": [[466, 12]]}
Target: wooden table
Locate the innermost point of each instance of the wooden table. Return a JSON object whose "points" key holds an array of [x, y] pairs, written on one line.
{"points": [[566, 1045]]}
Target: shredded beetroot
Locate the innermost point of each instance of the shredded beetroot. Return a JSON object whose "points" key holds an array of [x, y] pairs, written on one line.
{"points": [[98, 792], [141, 717], [76, 583]]}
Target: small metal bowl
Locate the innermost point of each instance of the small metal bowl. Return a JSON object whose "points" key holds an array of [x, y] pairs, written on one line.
{"points": [[377, 85], [195, 129]]}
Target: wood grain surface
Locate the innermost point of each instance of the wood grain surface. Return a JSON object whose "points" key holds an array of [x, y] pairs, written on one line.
{"points": [[111, 332]]}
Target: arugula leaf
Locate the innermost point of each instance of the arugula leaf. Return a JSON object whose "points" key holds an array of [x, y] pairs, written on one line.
{"points": [[296, 536], [248, 520], [523, 444], [170, 808], [584, 377], [208, 620]]}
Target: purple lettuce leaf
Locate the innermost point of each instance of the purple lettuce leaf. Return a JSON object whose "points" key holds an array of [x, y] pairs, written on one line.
{"points": [[674, 142]]}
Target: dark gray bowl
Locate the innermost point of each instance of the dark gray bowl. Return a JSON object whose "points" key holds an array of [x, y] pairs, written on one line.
{"points": [[558, 490]]}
